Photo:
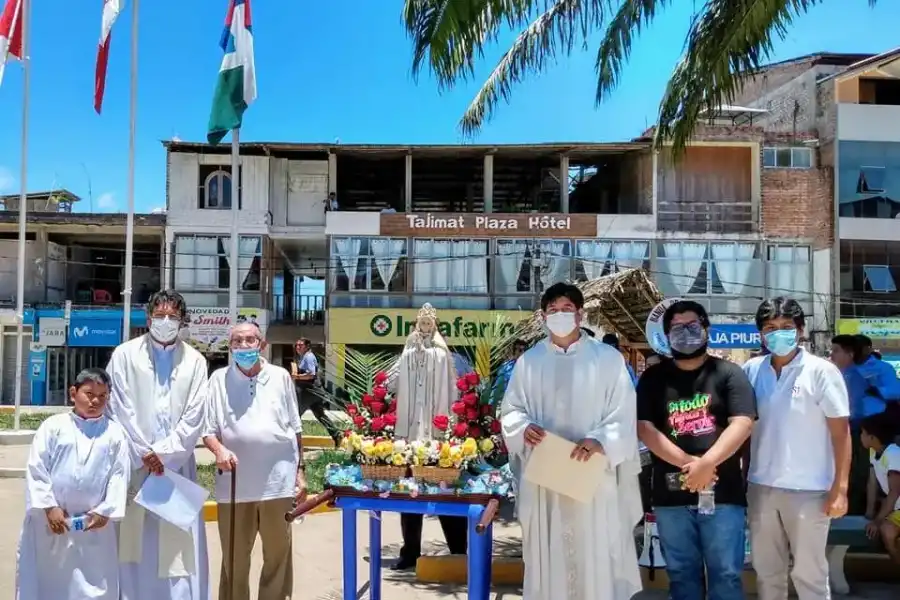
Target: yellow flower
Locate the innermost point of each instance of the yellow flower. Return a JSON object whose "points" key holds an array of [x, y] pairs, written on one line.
{"points": [[445, 451], [456, 453], [470, 446], [356, 441], [487, 445], [445, 463], [399, 460]]}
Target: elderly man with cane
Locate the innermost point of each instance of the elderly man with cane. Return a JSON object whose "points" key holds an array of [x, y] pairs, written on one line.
{"points": [[253, 427]]}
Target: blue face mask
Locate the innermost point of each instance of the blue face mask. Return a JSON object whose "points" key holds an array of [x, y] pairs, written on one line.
{"points": [[245, 358], [781, 342]]}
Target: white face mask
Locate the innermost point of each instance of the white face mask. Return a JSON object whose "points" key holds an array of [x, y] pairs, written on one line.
{"points": [[561, 324], [164, 330]]}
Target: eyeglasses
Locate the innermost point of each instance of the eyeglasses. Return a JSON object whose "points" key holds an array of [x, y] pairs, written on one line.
{"points": [[244, 342]]}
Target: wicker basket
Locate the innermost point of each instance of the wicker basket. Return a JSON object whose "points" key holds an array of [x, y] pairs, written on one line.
{"points": [[383, 472], [436, 475]]}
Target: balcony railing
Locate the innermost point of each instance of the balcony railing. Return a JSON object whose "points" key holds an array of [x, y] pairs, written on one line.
{"points": [[298, 309]]}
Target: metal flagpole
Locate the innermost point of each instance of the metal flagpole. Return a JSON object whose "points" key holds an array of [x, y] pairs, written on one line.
{"points": [[23, 202], [235, 214], [129, 229]]}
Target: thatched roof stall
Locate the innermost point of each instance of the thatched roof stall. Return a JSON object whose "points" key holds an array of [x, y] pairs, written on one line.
{"points": [[618, 303]]}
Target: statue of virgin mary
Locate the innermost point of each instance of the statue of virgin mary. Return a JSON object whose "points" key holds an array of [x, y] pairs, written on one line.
{"points": [[426, 378]]}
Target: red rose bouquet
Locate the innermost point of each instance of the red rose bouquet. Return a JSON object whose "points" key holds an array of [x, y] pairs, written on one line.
{"points": [[473, 416], [374, 414]]}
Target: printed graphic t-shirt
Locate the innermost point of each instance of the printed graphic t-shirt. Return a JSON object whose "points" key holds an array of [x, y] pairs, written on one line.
{"points": [[692, 408]]}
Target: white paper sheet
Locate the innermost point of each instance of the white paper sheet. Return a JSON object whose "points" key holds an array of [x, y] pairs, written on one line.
{"points": [[172, 498], [550, 466]]}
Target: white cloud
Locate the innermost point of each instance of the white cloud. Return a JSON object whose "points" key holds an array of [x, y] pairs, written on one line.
{"points": [[105, 202], [7, 181]]}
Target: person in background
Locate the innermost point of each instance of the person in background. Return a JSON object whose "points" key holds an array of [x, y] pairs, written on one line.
{"points": [[78, 468], [873, 388], [331, 203], [158, 396], [878, 435], [800, 456], [305, 373], [865, 343], [253, 424], [694, 414], [516, 349], [611, 339], [571, 386]]}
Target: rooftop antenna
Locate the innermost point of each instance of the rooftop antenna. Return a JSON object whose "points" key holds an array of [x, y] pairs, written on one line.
{"points": [[90, 191]]}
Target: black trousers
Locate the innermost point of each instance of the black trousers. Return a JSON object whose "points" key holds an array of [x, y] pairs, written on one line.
{"points": [[308, 400], [456, 531]]}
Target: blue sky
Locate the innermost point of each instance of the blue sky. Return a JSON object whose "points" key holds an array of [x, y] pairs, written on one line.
{"points": [[326, 71]]}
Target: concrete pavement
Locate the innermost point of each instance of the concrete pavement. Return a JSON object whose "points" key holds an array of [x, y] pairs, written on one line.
{"points": [[317, 558]]}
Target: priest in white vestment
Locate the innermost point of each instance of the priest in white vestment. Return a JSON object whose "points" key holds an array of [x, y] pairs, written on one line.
{"points": [[78, 467], [158, 396], [577, 388], [425, 381]]}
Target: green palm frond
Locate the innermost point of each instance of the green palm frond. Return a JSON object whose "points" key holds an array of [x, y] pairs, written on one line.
{"points": [[728, 38], [621, 32], [453, 33], [493, 345], [360, 369]]}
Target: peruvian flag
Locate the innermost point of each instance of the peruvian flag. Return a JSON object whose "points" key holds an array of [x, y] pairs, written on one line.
{"points": [[111, 10], [10, 32]]}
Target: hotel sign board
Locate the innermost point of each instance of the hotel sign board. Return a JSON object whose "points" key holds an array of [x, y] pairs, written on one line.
{"points": [[467, 225]]}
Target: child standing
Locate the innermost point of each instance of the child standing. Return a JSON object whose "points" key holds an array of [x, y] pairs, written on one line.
{"points": [[76, 482], [877, 435]]}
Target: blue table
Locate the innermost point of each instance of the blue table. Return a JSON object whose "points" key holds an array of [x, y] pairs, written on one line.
{"points": [[478, 509]]}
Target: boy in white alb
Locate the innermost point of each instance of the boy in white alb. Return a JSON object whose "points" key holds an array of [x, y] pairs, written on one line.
{"points": [[253, 429], [76, 484], [877, 433]]}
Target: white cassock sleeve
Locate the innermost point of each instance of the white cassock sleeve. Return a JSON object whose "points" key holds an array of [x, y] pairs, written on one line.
{"points": [[38, 488], [114, 499], [616, 424], [176, 448], [513, 410], [120, 407]]}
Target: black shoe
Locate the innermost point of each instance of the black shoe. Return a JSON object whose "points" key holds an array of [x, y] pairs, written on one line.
{"points": [[404, 564]]}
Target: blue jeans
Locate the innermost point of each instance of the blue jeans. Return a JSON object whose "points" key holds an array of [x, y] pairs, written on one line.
{"points": [[691, 541]]}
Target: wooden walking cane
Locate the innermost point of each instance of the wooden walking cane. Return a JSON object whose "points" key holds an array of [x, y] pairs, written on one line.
{"points": [[231, 530]]}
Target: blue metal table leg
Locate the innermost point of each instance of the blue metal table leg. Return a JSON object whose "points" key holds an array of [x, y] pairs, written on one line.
{"points": [[479, 558], [349, 534], [375, 555]]}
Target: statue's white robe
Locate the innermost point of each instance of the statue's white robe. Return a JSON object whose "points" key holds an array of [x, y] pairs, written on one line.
{"points": [[80, 466], [425, 388], [576, 551], [163, 412]]}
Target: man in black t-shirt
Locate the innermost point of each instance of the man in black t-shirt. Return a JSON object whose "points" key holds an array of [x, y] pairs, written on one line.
{"points": [[694, 414]]}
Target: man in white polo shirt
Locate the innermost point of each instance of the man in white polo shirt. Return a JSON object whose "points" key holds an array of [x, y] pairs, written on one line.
{"points": [[253, 429], [800, 456]]}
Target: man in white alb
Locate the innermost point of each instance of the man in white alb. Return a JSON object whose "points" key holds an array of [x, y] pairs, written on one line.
{"points": [[253, 429], [579, 389], [158, 396]]}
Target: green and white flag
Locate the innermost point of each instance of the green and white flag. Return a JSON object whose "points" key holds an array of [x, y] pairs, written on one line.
{"points": [[236, 86]]}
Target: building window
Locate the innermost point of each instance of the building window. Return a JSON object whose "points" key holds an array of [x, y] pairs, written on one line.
{"points": [[203, 262], [789, 271], [597, 258], [878, 278], [717, 268], [530, 266], [450, 266], [368, 264], [215, 187], [787, 158], [870, 180]]}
